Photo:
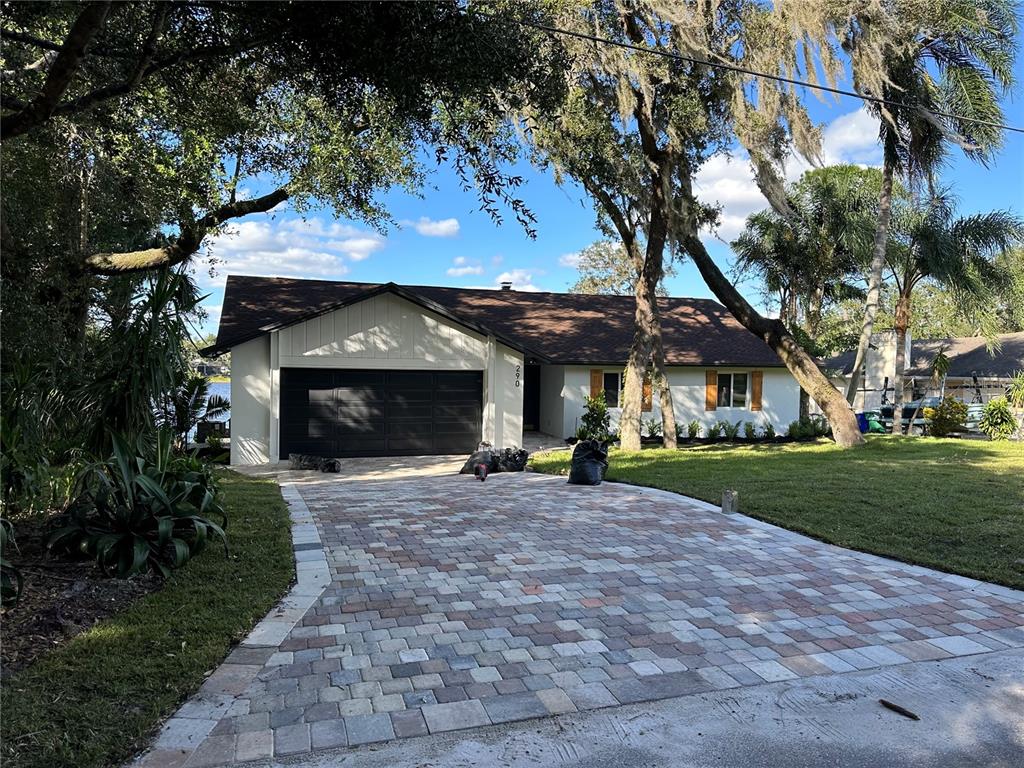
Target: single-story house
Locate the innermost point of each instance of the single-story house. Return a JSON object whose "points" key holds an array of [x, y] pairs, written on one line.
{"points": [[979, 368], [355, 369]]}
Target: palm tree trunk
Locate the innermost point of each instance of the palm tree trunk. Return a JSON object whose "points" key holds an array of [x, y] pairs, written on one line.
{"points": [[902, 322], [874, 278]]}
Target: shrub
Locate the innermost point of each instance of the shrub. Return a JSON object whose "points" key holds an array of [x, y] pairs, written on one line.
{"points": [[749, 431], [768, 431], [715, 430], [818, 426], [652, 427], [143, 509], [693, 429], [731, 430], [948, 416], [795, 430], [997, 420], [1015, 390], [596, 422]]}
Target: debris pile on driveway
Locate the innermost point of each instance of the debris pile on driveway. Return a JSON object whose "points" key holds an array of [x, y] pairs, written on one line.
{"points": [[485, 460], [589, 463], [303, 461]]}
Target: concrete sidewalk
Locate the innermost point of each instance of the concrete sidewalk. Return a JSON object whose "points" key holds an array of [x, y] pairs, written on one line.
{"points": [[971, 710]]}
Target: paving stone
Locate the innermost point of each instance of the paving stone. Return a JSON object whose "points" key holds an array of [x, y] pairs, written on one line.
{"points": [[254, 745], [591, 696], [515, 706], [328, 734], [629, 691], [291, 739], [455, 715], [215, 750], [366, 729], [556, 701], [408, 723]]}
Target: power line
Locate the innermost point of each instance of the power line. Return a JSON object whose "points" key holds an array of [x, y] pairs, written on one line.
{"points": [[754, 73]]}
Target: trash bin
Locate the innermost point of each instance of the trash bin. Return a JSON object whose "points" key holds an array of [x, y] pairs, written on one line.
{"points": [[862, 422]]}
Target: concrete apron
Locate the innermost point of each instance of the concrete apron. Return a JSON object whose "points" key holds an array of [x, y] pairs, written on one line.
{"points": [[971, 713]]}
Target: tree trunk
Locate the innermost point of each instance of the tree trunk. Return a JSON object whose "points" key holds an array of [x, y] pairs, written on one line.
{"points": [[806, 372], [902, 322], [660, 380], [644, 318], [874, 279]]}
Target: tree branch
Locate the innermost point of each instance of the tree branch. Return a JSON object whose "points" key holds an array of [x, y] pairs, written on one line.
{"points": [[188, 242], [61, 73]]}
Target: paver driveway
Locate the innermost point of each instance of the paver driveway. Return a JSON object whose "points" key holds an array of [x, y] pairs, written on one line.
{"points": [[454, 603]]}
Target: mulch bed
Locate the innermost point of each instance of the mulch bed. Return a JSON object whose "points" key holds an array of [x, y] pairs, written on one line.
{"points": [[61, 598]]}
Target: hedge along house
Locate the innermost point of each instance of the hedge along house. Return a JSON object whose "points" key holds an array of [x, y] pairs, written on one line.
{"points": [[342, 369]]}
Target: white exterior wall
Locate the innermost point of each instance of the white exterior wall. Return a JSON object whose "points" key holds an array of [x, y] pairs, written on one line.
{"points": [[386, 332], [250, 402], [503, 397], [780, 398]]}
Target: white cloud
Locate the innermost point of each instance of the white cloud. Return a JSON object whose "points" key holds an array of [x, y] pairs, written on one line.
{"points": [[462, 267], [571, 260], [290, 248], [729, 182], [357, 248], [430, 228]]}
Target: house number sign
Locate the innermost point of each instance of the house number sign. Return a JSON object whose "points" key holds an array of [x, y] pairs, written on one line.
{"points": [[518, 370]]}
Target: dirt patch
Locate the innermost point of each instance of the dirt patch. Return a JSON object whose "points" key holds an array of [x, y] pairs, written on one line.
{"points": [[61, 598]]}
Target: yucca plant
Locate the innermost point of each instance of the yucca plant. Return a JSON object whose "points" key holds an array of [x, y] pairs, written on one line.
{"points": [[143, 509], [187, 404]]}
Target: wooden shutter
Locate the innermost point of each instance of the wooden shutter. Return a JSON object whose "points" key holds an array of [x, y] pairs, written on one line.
{"points": [[756, 382], [596, 381], [710, 390], [646, 404]]}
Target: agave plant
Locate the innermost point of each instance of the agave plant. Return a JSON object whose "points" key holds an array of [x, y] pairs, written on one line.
{"points": [[144, 508]]}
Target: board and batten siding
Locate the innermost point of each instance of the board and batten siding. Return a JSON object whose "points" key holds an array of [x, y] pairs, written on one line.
{"points": [[780, 398], [383, 332]]}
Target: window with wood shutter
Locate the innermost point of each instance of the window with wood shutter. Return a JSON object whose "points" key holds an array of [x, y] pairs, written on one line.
{"points": [[647, 403], [756, 385], [596, 381], [710, 390]]}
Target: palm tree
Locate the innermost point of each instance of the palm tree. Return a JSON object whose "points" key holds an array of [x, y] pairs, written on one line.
{"points": [[809, 257], [188, 404], [959, 253], [944, 56]]}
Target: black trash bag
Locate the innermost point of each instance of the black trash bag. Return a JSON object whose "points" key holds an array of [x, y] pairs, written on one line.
{"points": [[512, 459], [589, 463], [484, 457]]}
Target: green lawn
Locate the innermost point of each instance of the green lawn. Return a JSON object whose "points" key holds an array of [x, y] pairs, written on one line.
{"points": [[98, 699], [955, 505]]}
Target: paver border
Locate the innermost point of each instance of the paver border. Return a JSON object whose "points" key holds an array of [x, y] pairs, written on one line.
{"points": [[190, 728]]}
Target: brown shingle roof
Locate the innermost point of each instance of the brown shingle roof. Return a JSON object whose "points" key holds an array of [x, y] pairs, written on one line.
{"points": [[968, 356], [561, 328]]}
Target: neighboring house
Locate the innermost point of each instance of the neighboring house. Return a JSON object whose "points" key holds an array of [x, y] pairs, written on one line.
{"points": [[355, 369], [979, 368]]}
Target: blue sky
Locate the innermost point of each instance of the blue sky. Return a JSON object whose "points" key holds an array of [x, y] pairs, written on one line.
{"points": [[444, 239]]}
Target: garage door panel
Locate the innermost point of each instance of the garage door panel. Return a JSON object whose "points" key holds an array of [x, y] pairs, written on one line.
{"points": [[337, 413]]}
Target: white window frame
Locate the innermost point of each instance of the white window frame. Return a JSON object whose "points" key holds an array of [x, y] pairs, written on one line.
{"points": [[618, 388], [732, 390]]}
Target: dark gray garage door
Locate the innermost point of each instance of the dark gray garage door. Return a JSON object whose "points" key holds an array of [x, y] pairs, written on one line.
{"points": [[337, 413]]}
